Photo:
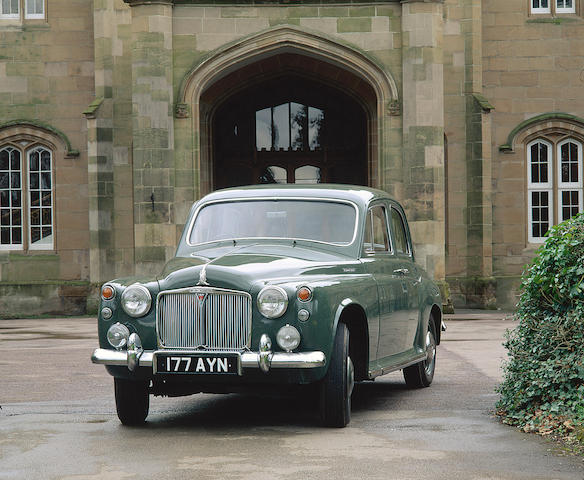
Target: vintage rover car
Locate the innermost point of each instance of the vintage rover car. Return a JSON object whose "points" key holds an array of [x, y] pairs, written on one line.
{"points": [[275, 285]]}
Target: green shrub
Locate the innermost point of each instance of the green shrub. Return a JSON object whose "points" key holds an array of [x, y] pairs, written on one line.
{"points": [[543, 382]]}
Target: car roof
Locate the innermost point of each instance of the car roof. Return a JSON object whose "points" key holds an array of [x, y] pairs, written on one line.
{"points": [[355, 193]]}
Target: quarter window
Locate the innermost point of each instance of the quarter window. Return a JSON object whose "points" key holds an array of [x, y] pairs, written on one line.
{"points": [[26, 199], [399, 232], [554, 178], [376, 234]]}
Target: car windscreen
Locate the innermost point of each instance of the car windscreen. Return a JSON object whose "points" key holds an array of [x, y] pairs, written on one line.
{"points": [[317, 220]]}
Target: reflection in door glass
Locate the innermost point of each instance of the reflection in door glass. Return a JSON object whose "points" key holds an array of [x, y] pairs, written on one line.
{"points": [[274, 174], [315, 121], [281, 127], [289, 126], [307, 174], [297, 123], [264, 129]]}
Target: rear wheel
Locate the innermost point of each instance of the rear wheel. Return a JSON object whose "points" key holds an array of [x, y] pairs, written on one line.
{"points": [[337, 385], [421, 374], [132, 401]]}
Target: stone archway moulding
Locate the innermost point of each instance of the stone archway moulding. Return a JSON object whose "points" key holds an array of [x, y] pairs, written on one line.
{"points": [[286, 39], [276, 40], [38, 131], [565, 121]]}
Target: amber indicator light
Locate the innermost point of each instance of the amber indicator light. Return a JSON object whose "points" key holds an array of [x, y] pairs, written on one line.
{"points": [[107, 292], [304, 294]]}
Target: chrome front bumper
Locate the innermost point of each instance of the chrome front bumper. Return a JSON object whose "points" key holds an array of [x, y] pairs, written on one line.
{"points": [[263, 360]]}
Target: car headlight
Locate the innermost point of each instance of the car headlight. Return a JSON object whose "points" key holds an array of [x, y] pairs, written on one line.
{"points": [[272, 301], [136, 300]]}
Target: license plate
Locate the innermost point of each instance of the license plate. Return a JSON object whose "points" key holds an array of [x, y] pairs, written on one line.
{"points": [[197, 364]]}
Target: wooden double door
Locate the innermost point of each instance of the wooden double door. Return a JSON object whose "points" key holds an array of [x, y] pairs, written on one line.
{"points": [[289, 130]]}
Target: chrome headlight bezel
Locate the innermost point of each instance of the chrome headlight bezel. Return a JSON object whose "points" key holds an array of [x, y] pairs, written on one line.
{"points": [[272, 301], [136, 300]]}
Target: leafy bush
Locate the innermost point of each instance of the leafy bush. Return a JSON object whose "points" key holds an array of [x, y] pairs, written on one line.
{"points": [[543, 383]]}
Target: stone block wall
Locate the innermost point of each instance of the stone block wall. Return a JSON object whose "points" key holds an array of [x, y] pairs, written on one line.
{"points": [[46, 81], [533, 64]]}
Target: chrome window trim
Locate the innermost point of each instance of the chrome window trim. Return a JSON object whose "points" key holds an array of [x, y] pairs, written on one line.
{"points": [[253, 199]]}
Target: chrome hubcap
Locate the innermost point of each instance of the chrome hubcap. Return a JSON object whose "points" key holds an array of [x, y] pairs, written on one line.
{"points": [[430, 353], [350, 377]]}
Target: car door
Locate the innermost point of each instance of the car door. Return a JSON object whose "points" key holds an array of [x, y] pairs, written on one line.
{"points": [[380, 261], [406, 270]]}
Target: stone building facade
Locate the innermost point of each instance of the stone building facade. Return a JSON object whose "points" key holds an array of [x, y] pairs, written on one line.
{"points": [[115, 115]]}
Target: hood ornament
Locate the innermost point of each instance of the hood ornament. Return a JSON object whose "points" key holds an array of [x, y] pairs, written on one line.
{"points": [[203, 276]]}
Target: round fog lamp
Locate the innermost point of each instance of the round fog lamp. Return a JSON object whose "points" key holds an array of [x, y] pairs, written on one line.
{"points": [[117, 335], [288, 338], [136, 300]]}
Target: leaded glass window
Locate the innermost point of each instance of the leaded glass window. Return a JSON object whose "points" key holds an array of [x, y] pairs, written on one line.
{"points": [[540, 6], [565, 6], [10, 9], [10, 198], [554, 177], [540, 210], [35, 8], [26, 199], [552, 6], [40, 192]]}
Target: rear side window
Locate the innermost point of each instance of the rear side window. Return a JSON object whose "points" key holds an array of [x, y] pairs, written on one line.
{"points": [[399, 232], [376, 233]]}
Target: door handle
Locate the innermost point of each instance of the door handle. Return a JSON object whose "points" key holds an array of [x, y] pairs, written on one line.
{"points": [[402, 271]]}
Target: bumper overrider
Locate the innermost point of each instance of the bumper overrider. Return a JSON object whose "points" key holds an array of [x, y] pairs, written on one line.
{"points": [[135, 356]]}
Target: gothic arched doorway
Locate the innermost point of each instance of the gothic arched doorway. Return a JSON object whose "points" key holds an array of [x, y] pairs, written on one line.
{"points": [[289, 129]]}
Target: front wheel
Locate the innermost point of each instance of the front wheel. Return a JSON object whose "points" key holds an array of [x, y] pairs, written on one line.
{"points": [[132, 401], [337, 386], [421, 374]]}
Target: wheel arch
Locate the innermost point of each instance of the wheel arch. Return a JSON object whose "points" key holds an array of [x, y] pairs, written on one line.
{"points": [[436, 315], [354, 317]]}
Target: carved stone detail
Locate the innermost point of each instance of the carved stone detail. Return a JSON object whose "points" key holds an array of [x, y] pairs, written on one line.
{"points": [[394, 108], [181, 110]]}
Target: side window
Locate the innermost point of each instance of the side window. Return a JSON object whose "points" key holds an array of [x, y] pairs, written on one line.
{"points": [[399, 232], [376, 236]]}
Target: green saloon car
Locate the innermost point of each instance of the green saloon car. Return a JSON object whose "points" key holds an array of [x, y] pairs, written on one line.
{"points": [[273, 286]]}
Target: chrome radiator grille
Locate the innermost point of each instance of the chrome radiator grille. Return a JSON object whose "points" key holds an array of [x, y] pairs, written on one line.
{"points": [[204, 317]]}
